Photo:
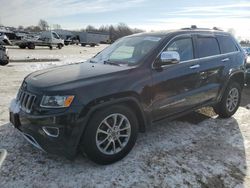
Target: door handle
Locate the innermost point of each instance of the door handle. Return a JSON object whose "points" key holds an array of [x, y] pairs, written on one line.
{"points": [[225, 60], [194, 67]]}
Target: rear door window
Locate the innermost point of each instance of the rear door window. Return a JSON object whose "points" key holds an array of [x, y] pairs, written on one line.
{"points": [[226, 44], [184, 47], [207, 46]]}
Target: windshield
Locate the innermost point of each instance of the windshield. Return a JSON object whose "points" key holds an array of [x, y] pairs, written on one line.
{"points": [[128, 50]]}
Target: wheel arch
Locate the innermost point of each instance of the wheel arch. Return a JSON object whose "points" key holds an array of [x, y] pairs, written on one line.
{"points": [[89, 110], [237, 76], [131, 101]]}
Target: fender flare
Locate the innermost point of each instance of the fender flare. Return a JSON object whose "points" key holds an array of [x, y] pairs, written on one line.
{"points": [[228, 80], [88, 114]]}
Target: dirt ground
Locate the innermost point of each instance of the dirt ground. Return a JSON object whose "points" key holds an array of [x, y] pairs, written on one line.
{"points": [[198, 150]]}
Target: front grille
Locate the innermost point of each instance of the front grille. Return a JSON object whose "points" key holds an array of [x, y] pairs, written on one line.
{"points": [[26, 100]]}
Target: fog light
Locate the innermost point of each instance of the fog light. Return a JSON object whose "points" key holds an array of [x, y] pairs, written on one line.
{"points": [[51, 131]]}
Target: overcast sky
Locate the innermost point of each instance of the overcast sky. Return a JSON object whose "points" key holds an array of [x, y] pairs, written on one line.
{"points": [[144, 14]]}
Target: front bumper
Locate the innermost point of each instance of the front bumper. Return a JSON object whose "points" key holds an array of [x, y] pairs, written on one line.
{"points": [[69, 126]]}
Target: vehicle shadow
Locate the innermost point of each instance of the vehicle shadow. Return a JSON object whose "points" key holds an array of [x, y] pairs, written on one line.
{"points": [[197, 117], [205, 153], [210, 151]]}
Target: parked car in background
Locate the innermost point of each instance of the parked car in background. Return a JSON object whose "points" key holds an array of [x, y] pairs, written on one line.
{"points": [[46, 38], [4, 58], [247, 50], [92, 38], [4, 40], [98, 107], [71, 40]]}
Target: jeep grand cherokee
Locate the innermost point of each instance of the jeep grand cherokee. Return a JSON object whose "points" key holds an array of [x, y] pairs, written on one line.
{"points": [[99, 106]]}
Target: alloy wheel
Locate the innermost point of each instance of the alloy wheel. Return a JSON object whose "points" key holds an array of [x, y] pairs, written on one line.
{"points": [[113, 134], [232, 99]]}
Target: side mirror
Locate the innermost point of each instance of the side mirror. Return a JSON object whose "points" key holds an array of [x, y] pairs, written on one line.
{"points": [[167, 58]]}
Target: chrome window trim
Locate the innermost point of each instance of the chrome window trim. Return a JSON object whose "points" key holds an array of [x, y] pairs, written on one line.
{"points": [[195, 59]]}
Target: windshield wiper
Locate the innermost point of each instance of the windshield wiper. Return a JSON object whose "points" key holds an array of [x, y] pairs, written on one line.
{"points": [[111, 63], [92, 61]]}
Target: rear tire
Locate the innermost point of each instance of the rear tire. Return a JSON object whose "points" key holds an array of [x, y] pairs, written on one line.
{"points": [[31, 46], [110, 135], [230, 101], [22, 46]]}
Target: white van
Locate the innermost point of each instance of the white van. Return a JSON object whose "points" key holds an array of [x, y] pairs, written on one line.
{"points": [[46, 38]]}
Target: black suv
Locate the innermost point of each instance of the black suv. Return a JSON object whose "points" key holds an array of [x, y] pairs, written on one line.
{"points": [[98, 107]]}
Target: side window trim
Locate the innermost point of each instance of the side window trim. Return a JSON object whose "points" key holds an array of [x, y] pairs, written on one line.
{"points": [[233, 41], [194, 36], [180, 38], [207, 36], [171, 40]]}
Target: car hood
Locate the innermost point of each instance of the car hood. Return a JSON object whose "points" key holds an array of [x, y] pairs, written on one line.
{"points": [[71, 73]]}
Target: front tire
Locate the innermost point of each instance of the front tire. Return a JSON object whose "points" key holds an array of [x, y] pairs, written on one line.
{"points": [[230, 101], [110, 135], [60, 46], [3, 63]]}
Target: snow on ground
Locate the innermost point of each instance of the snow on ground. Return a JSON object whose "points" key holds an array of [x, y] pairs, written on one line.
{"points": [[198, 150]]}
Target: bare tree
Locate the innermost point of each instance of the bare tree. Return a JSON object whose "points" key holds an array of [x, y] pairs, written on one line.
{"points": [[104, 28], [43, 25], [57, 26], [90, 28], [121, 30], [33, 29], [20, 27]]}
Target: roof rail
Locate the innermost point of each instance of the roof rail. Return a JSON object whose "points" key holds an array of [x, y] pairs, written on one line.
{"points": [[217, 29], [193, 27]]}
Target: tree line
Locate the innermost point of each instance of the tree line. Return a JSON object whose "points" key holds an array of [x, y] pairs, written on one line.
{"points": [[115, 31], [245, 43]]}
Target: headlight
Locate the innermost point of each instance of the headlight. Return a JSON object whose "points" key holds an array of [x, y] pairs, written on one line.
{"points": [[57, 101]]}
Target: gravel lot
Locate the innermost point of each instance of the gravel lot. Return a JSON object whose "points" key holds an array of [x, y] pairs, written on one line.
{"points": [[198, 150]]}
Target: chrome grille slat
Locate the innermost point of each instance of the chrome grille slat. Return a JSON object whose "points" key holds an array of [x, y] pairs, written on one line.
{"points": [[26, 100], [22, 95]]}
